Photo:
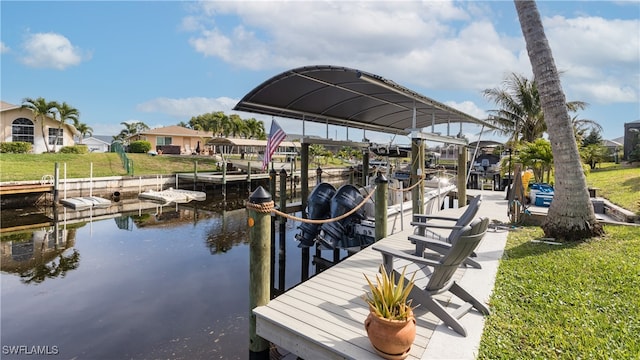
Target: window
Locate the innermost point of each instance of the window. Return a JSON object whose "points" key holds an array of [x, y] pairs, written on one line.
{"points": [[22, 130], [52, 136], [164, 140]]}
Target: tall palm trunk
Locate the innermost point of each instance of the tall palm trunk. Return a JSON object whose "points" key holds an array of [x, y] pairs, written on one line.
{"points": [[571, 214]]}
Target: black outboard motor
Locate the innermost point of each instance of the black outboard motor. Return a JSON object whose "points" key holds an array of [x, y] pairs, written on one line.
{"points": [[318, 207], [339, 234]]}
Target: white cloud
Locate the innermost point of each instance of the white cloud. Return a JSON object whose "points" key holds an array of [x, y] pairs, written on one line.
{"points": [[599, 57], [187, 107], [4, 48], [468, 107], [51, 50], [433, 45]]}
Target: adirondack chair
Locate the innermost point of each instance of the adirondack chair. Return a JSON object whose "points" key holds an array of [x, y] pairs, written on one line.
{"points": [[436, 276], [424, 238]]}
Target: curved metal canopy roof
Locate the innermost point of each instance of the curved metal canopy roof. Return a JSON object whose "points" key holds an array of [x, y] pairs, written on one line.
{"points": [[348, 97]]}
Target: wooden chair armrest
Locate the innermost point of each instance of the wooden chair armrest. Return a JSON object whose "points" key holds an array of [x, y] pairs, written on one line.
{"points": [[436, 226], [433, 217], [389, 253], [427, 240]]}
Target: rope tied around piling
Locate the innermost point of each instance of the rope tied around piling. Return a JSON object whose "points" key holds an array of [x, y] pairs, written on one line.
{"points": [[324, 221], [263, 208]]}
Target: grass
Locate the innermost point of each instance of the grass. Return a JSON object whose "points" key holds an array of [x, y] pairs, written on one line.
{"points": [[618, 183], [16, 167], [573, 301]]}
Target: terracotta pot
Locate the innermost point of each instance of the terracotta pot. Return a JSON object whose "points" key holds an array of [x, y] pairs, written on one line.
{"points": [[392, 339]]}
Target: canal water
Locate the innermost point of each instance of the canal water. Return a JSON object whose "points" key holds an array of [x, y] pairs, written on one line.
{"points": [[167, 282]]}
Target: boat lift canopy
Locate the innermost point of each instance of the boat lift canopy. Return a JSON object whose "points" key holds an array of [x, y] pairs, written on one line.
{"points": [[353, 98]]}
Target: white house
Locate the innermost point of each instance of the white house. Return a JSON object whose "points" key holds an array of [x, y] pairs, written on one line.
{"points": [[94, 144], [18, 124]]}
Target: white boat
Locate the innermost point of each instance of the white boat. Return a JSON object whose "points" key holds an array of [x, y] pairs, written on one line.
{"points": [[172, 195], [86, 202]]}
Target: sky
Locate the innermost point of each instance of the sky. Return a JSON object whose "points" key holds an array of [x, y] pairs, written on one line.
{"points": [[163, 62]]}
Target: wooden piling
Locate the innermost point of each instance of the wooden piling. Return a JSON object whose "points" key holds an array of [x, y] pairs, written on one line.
{"points": [[56, 182], [382, 190], [304, 176], [365, 167], [259, 224], [462, 176], [283, 194], [195, 174]]}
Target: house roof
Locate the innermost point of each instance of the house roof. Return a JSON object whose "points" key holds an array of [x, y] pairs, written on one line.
{"points": [[247, 142], [348, 97], [611, 143], [106, 138], [96, 139], [6, 106], [175, 130]]}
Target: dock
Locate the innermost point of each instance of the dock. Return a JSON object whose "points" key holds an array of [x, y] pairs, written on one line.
{"points": [[323, 318]]}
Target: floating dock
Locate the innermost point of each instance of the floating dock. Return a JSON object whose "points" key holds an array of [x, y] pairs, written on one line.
{"points": [[86, 202], [171, 195]]}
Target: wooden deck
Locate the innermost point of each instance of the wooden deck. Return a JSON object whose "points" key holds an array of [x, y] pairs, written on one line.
{"points": [[323, 318]]}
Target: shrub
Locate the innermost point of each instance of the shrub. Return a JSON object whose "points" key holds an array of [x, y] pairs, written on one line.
{"points": [[140, 147], [76, 149], [17, 147]]}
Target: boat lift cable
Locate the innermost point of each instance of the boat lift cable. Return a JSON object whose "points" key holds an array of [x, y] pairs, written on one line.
{"points": [[475, 152]]}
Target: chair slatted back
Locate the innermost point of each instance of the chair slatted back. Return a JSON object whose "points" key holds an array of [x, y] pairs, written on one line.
{"points": [[467, 241], [467, 216]]}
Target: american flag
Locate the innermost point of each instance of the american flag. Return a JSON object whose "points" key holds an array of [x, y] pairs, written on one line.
{"points": [[276, 136]]}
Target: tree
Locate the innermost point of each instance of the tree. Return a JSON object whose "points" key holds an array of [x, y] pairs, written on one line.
{"points": [[41, 109], [84, 130], [538, 156], [65, 112], [594, 138], [592, 154], [571, 214], [130, 128], [256, 129], [520, 115]]}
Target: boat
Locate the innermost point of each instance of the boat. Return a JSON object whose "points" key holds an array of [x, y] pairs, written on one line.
{"points": [[86, 202], [172, 195]]}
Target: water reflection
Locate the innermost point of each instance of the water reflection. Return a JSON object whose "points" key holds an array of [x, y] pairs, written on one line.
{"points": [[40, 254], [140, 281]]}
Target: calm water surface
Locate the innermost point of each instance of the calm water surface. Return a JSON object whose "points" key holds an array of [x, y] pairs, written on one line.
{"points": [[163, 283]]}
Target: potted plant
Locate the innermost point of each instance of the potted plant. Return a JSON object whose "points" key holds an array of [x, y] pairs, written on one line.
{"points": [[391, 326]]}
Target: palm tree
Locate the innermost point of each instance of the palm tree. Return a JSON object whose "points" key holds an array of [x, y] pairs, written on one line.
{"points": [[41, 109], [520, 114], [256, 129], [571, 214], [65, 112], [238, 126], [84, 130]]}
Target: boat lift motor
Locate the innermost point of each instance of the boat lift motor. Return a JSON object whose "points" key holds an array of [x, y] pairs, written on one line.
{"points": [[341, 234], [318, 208]]}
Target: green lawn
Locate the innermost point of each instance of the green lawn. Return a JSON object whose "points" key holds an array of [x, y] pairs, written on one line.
{"points": [[15, 167], [572, 301], [619, 183]]}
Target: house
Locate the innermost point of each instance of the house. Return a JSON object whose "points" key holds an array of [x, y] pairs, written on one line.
{"points": [[97, 143], [174, 139], [19, 124]]}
